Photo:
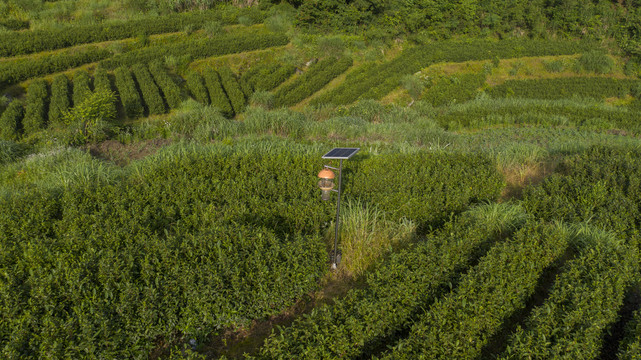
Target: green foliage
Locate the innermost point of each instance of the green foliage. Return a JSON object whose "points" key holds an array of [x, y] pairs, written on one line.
{"points": [[598, 186], [395, 292], [10, 151], [170, 90], [196, 86], [454, 89], [631, 345], [265, 77], [60, 101], [11, 121], [90, 113], [81, 86], [150, 92], [232, 89], [594, 87], [217, 96], [14, 71], [315, 78], [129, 95], [414, 186], [14, 24], [263, 99], [35, 117], [583, 302], [413, 85], [102, 82], [26, 42], [373, 81], [199, 48], [596, 61], [554, 66], [461, 323]]}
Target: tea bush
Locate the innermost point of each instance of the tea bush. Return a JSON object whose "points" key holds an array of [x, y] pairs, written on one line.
{"points": [[170, 90], [460, 324], [102, 82], [81, 86], [11, 121], [35, 116], [129, 95], [594, 87], [60, 100], [150, 92], [196, 86], [631, 345], [217, 96], [232, 88]]}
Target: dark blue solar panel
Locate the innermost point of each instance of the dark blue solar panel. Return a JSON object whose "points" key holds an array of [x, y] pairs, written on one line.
{"points": [[341, 153]]}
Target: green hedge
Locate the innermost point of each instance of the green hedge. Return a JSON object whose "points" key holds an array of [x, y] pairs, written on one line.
{"points": [[102, 82], [81, 86], [14, 24], [232, 89], [265, 77], [170, 90], [600, 185], [26, 42], [373, 81], [631, 346], [583, 303], [217, 96], [315, 78], [459, 325], [35, 116], [11, 121], [394, 296], [115, 267], [14, 71], [454, 89], [149, 89], [196, 86], [593, 87], [426, 187], [129, 95], [60, 101], [199, 48]]}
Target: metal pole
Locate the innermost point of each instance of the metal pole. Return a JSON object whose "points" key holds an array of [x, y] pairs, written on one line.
{"points": [[338, 210]]}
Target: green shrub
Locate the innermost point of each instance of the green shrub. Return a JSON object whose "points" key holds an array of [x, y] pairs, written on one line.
{"points": [[81, 86], [198, 48], [596, 61], [11, 121], [263, 99], [554, 66], [26, 42], [217, 96], [314, 79], [594, 87], [170, 90], [631, 344], [196, 86], [232, 89], [265, 77], [60, 100], [129, 95], [90, 116], [102, 82], [454, 89], [14, 24], [461, 323], [14, 71], [150, 92], [35, 117]]}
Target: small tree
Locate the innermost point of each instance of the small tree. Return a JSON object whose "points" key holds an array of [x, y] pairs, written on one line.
{"points": [[95, 110]]}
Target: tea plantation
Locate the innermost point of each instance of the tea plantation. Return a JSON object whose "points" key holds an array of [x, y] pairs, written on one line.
{"points": [[158, 179]]}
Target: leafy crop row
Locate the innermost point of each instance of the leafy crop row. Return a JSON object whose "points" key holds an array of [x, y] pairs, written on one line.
{"points": [[583, 303], [149, 89], [266, 77], [26, 42], [594, 87], [459, 325], [631, 346], [14, 71], [60, 101], [373, 81], [198, 48], [170, 90], [197, 88], [217, 96], [35, 117], [601, 185], [453, 89], [128, 92], [14, 24], [232, 88], [102, 82], [11, 121], [318, 75], [81, 86], [365, 319]]}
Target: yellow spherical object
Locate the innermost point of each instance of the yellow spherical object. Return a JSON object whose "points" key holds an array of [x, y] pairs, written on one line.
{"points": [[326, 174]]}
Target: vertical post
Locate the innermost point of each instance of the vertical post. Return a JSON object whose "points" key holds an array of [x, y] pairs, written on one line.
{"points": [[338, 210]]}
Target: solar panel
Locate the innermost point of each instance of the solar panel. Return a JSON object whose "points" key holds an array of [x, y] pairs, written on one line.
{"points": [[341, 153]]}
